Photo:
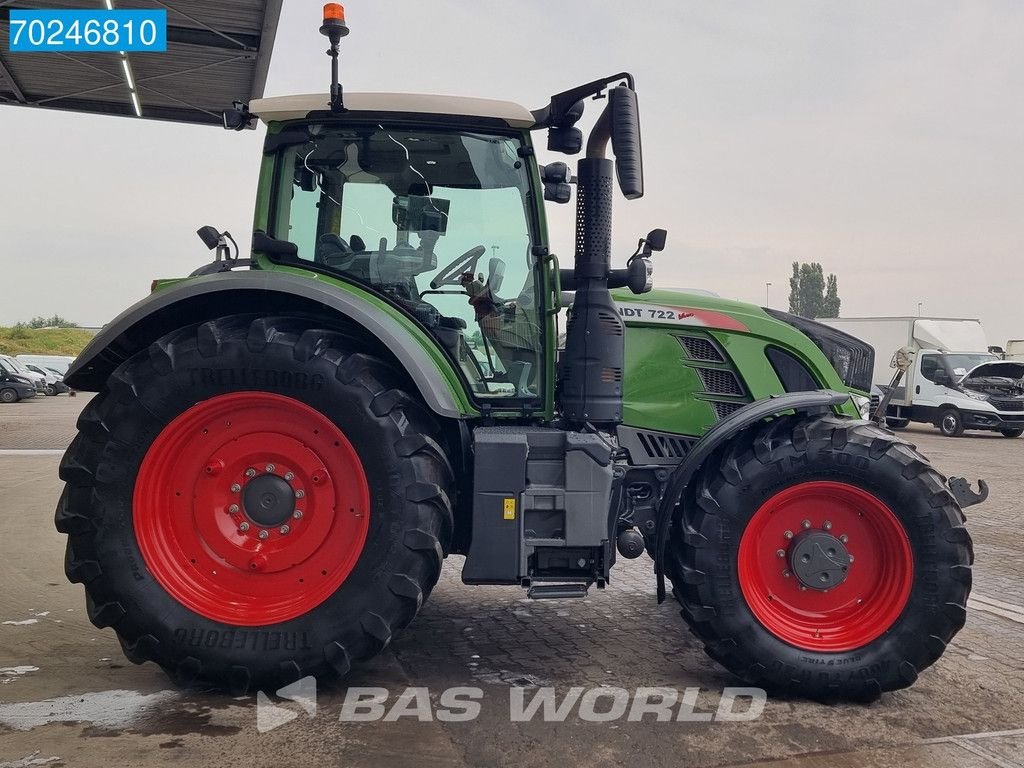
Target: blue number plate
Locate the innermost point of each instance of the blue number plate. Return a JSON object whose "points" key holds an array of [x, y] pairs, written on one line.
{"points": [[88, 31]]}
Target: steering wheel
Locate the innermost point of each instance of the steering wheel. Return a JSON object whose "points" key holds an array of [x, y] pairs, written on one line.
{"points": [[465, 263]]}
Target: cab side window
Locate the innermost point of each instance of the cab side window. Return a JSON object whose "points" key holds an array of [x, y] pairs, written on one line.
{"points": [[929, 365]]}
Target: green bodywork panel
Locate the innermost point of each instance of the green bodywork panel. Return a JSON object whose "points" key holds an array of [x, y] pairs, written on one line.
{"points": [[662, 388]]}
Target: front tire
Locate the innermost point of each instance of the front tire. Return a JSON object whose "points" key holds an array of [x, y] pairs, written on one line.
{"points": [[252, 501], [950, 423], [822, 627], [1011, 432], [8, 396]]}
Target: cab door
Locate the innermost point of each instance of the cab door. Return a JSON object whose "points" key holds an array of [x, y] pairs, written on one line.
{"points": [[930, 373]]}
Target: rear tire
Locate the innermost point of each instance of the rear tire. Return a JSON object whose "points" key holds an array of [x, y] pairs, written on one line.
{"points": [[896, 424], [889, 616], [1011, 432], [51, 391], [128, 544], [950, 423]]}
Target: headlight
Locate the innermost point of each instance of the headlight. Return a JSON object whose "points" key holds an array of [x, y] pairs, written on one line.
{"points": [[975, 395], [863, 406]]}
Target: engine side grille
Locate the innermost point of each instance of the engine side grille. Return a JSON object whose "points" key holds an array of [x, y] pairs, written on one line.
{"points": [[719, 382], [701, 349], [646, 446], [725, 409]]}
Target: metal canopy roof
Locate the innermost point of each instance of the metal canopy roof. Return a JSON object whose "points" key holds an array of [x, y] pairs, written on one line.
{"points": [[218, 51]]}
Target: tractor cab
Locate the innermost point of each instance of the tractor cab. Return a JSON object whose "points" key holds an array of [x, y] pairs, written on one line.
{"points": [[439, 221]]}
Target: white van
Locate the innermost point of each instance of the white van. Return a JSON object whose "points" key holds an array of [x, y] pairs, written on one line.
{"points": [[954, 383]]}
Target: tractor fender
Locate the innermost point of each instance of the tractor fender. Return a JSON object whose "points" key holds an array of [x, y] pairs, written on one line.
{"points": [[719, 434], [204, 298]]}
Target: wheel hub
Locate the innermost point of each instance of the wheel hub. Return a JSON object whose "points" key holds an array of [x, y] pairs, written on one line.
{"points": [[819, 560], [268, 500]]}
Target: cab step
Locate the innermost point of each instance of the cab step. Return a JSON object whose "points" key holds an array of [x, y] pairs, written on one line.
{"points": [[556, 591]]}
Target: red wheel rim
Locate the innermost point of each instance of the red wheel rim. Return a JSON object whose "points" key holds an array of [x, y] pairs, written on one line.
{"points": [[847, 616], [285, 551]]}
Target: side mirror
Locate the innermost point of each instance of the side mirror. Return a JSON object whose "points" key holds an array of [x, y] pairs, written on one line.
{"points": [[625, 130], [210, 236], [655, 241], [238, 118]]}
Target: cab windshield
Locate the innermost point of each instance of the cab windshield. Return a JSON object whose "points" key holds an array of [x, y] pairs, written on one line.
{"points": [[438, 222]]}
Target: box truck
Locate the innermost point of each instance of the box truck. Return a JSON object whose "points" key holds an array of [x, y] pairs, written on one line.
{"points": [[952, 381]]}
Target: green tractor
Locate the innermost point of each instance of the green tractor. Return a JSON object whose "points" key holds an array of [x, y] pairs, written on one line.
{"points": [[285, 448]]}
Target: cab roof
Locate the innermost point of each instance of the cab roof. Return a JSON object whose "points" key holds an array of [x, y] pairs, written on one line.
{"points": [[298, 107]]}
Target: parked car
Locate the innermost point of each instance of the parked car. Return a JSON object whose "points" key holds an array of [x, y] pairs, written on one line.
{"points": [[58, 363], [14, 387], [54, 381], [17, 368]]}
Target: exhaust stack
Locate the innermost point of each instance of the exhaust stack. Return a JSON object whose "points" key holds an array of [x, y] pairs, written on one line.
{"points": [[594, 358]]}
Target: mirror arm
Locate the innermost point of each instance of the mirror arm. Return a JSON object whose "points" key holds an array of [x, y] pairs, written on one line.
{"points": [[597, 144]]}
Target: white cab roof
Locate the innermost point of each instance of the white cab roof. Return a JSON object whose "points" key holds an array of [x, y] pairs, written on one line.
{"points": [[297, 107]]}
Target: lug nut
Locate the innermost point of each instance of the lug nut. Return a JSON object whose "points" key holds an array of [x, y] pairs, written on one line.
{"points": [[827, 525], [233, 508], [300, 494], [243, 527], [289, 476], [297, 514], [803, 588], [786, 574], [787, 535], [806, 523], [263, 535], [844, 538], [284, 529], [780, 552], [851, 558], [235, 487], [270, 467], [250, 472]]}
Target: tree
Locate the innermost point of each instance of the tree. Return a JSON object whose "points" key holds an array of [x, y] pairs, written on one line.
{"points": [[830, 306], [807, 293]]}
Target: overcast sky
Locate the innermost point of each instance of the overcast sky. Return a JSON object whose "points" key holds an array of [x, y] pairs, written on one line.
{"points": [[885, 140]]}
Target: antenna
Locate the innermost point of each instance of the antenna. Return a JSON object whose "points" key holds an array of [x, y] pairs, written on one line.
{"points": [[334, 28]]}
